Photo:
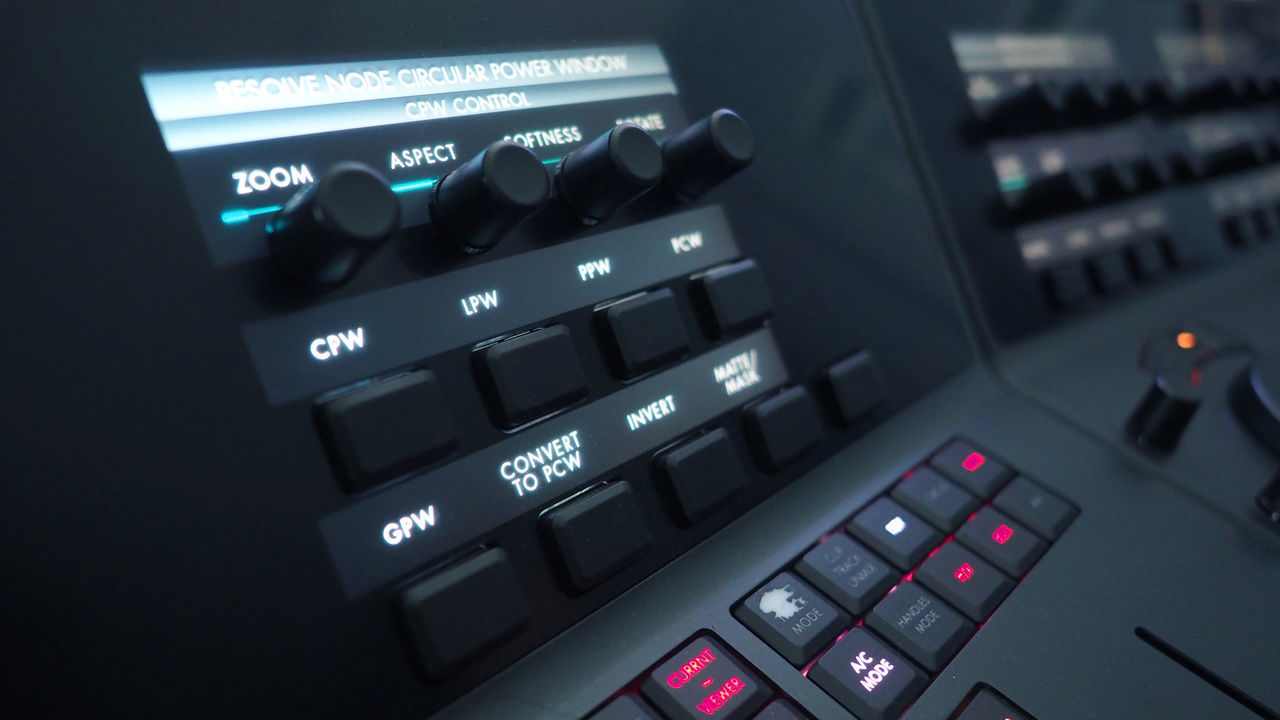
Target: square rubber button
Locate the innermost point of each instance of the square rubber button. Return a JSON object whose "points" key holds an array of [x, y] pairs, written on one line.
{"points": [[848, 573], [784, 427], [533, 374], [899, 536], [736, 296], [1045, 513], [387, 429], [703, 475], [868, 678], [921, 625], [791, 617], [935, 499], [645, 331], [703, 680], [1002, 542], [598, 535], [973, 469], [627, 707], [464, 611], [968, 583]]}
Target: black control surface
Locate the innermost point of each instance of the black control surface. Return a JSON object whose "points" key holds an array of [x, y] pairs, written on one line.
{"points": [[645, 362]]}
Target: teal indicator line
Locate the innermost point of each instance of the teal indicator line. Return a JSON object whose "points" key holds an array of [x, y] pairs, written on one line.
{"points": [[239, 215], [411, 185], [1013, 183], [235, 217]]}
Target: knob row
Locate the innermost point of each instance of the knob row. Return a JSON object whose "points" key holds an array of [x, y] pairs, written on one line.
{"points": [[330, 228]]}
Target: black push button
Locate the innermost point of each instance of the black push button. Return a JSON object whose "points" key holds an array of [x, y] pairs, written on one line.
{"points": [[847, 572], [1108, 272], [736, 296], [534, 374], [1002, 542], [387, 429], [780, 710], [627, 707], [935, 499], [645, 331], [971, 585], [703, 475], [867, 678], [1067, 285], [702, 680], [1145, 259], [784, 427], [976, 471], [1042, 511], [791, 617], [598, 535], [988, 705], [464, 611], [856, 385], [919, 624], [895, 533]]}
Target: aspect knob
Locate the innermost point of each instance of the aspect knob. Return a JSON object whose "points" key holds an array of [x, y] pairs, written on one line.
{"points": [[476, 204], [606, 173], [328, 229], [707, 153]]}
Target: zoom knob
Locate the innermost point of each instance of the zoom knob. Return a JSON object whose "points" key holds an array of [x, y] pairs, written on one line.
{"points": [[707, 153], [611, 170], [476, 204], [330, 228]]}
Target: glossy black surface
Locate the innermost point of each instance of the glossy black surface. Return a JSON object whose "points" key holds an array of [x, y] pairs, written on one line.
{"points": [[174, 536]]}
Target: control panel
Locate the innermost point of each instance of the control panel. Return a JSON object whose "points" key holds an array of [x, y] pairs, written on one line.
{"points": [[871, 359]]}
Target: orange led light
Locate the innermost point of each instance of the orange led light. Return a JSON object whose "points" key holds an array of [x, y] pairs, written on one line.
{"points": [[1186, 340]]}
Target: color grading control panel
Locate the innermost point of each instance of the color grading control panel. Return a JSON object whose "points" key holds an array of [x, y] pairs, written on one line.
{"points": [[599, 360]]}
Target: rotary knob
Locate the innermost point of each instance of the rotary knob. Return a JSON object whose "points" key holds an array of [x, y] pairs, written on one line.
{"points": [[611, 170], [707, 153], [330, 228], [480, 201]]}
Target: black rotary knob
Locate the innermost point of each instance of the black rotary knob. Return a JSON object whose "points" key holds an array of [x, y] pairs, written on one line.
{"points": [[476, 204], [707, 153], [1164, 412], [606, 173], [328, 229]]}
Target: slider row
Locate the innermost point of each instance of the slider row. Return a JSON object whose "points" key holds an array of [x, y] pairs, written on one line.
{"points": [[325, 232]]}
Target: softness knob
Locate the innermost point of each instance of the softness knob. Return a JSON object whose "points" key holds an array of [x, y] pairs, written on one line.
{"points": [[608, 172], [480, 201], [327, 230]]}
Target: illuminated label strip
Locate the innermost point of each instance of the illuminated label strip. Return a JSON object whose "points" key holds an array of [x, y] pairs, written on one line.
{"points": [[418, 521], [218, 108]]}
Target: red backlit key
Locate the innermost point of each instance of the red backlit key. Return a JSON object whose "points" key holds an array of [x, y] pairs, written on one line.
{"points": [[973, 469], [1001, 541], [964, 580], [702, 680]]}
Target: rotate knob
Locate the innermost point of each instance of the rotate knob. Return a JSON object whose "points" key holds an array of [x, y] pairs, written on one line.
{"points": [[606, 173], [476, 204], [707, 153], [326, 231]]}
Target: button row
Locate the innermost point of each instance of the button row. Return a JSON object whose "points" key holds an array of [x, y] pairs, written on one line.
{"points": [[1073, 283], [920, 597], [382, 431], [602, 531]]}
